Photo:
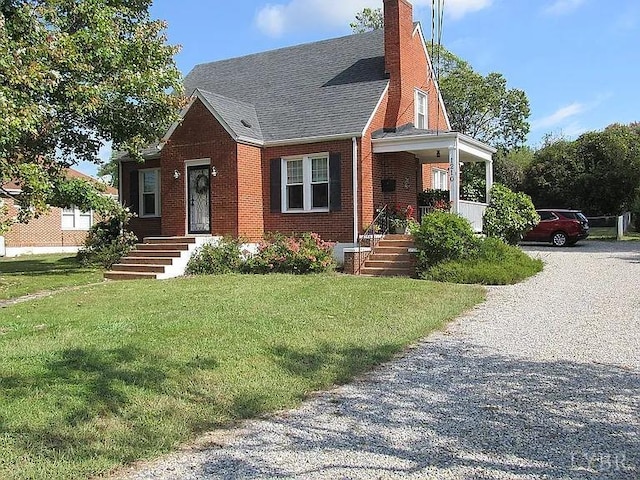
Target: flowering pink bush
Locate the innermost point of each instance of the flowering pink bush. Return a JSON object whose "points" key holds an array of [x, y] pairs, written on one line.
{"points": [[307, 253]]}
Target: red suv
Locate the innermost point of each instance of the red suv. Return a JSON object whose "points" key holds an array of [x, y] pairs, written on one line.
{"points": [[560, 227]]}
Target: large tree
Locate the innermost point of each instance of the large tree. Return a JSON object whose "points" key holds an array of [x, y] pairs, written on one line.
{"points": [[480, 106], [75, 74], [599, 172]]}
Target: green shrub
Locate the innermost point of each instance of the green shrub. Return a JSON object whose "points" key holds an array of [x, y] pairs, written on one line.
{"points": [[307, 253], [443, 236], [496, 263], [509, 215], [213, 259], [108, 241]]}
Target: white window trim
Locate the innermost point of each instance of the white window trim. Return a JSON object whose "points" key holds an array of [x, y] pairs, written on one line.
{"points": [[439, 172], [306, 182], [417, 94], [76, 219], [141, 193]]}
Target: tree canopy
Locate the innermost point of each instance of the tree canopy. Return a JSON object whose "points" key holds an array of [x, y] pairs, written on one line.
{"points": [[368, 19], [598, 173], [73, 75]]}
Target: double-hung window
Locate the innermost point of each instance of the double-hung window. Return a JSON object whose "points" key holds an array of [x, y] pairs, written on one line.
{"points": [[421, 110], [306, 183], [75, 219], [149, 193], [440, 181]]}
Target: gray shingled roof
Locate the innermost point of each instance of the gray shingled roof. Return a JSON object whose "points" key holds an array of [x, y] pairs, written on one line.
{"points": [[323, 88], [241, 117]]}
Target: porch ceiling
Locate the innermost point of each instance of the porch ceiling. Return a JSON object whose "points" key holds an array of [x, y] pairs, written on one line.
{"points": [[425, 146]]}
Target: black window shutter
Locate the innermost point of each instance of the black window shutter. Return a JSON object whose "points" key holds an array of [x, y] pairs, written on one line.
{"points": [[335, 185], [275, 185], [134, 191]]}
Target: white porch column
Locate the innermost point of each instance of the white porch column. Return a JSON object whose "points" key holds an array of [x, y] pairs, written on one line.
{"points": [[454, 177], [488, 170]]}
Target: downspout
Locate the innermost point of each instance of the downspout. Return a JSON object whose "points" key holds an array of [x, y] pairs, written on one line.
{"points": [[120, 182], [120, 200], [354, 170]]}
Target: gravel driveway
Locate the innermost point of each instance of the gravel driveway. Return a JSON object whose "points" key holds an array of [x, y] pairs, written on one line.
{"points": [[541, 381]]}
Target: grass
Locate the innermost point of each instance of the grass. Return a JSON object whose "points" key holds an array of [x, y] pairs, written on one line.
{"points": [[610, 233], [35, 273], [97, 377]]}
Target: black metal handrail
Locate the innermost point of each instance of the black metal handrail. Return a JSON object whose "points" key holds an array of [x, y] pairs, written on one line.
{"points": [[380, 227]]}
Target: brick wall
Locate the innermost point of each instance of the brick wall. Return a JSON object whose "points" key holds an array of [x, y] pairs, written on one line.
{"points": [[251, 200], [333, 226], [200, 136], [44, 231], [371, 174], [142, 227], [408, 68]]}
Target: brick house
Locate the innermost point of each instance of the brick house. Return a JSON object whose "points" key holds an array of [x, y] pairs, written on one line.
{"points": [[306, 138], [59, 231]]}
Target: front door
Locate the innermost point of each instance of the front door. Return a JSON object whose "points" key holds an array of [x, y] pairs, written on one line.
{"points": [[199, 199]]}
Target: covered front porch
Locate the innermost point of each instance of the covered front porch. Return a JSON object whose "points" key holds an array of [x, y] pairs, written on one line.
{"points": [[448, 148]]}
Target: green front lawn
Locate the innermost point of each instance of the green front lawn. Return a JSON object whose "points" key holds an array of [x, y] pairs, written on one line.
{"points": [[99, 376], [36, 273]]}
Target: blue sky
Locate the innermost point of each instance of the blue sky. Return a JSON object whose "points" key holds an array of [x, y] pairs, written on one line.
{"points": [[577, 60]]}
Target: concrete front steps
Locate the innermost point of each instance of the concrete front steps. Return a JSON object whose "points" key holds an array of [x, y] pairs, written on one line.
{"points": [[393, 256], [156, 258]]}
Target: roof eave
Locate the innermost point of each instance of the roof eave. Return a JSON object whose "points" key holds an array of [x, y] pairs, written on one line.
{"points": [[315, 139]]}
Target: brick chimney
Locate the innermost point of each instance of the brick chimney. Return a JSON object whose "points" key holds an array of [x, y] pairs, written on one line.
{"points": [[398, 27]]}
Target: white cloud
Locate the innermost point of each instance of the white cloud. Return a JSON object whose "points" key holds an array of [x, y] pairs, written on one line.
{"points": [[558, 116], [277, 19], [561, 7], [459, 8], [574, 129]]}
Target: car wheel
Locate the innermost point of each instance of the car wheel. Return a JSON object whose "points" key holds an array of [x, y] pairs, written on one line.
{"points": [[559, 239]]}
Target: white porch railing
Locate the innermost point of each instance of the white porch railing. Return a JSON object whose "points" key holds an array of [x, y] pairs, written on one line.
{"points": [[472, 211]]}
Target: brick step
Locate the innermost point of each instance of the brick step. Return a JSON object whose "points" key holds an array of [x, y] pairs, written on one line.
{"points": [[390, 250], [391, 257], [396, 243], [154, 253], [140, 268], [387, 272], [395, 236], [146, 260], [111, 275], [387, 264], [162, 246], [159, 240]]}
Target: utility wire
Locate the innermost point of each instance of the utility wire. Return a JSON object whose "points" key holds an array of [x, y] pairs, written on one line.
{"points": [[437, 20]]}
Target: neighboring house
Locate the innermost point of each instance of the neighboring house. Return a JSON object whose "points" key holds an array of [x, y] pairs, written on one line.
{"points": [[59, 231], [306, 138]]}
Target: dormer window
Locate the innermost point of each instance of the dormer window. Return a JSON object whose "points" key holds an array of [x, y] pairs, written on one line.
{"points": [[421, 112]]}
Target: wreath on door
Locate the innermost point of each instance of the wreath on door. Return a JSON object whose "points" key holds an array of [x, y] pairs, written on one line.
{"points": [[202, 184]]}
